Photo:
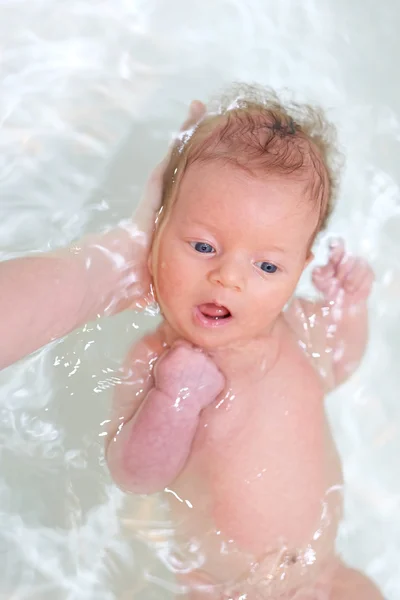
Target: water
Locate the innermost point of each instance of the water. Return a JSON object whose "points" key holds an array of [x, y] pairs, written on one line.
{"points": [[90, 93]]}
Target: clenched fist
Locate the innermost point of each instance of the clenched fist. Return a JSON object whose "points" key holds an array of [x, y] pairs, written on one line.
{"points": [[186, 373]]}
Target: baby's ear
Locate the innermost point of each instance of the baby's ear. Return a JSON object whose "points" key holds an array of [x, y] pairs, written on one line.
{"points": [[309, 259], [150, 262]]}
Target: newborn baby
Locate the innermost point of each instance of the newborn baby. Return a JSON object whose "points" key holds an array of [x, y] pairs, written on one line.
{"points": [[222, 407]]}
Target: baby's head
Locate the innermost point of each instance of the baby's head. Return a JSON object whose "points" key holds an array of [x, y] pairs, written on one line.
{"points": [[246, 192]]}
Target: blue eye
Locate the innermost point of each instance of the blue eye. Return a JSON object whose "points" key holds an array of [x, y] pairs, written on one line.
{"points": [[267, 267], [202, 247]]}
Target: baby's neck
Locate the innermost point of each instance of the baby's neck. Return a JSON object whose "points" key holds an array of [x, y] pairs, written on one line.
{"points": [[249, 358]]}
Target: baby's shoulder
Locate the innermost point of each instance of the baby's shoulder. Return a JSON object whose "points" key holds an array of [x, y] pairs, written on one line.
{"points": [[307, 325], [303, 318], [146, 349]]}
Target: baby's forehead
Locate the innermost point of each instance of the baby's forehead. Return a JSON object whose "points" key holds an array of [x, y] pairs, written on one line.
{"points": [[232, 197], [217, 178]]}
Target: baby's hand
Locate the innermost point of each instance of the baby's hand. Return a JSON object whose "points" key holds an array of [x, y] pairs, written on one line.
{"points": [[187, 373], [344, 278]]}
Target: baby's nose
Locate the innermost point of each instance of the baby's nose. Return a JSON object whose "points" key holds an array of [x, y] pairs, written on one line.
{"points": [[229, 274]]}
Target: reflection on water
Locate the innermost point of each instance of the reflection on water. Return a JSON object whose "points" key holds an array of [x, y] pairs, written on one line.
{"points": [[90, 93]]}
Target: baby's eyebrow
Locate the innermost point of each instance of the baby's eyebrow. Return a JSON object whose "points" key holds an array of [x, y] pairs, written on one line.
{"points": [[276, 249], [198, 223], [211, 228]]}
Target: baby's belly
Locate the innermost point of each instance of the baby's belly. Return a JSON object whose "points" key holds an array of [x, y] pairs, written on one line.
{"points": [[260, 488]]}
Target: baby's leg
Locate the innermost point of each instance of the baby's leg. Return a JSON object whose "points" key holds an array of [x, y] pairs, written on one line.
{"points": [[349, 584]]}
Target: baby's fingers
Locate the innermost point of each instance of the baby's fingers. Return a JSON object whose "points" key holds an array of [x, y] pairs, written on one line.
{"points": [[336, 256], [325, 282], [347, 268], [151, 201], [325, 272], [361, 276], [197, 110], [155, 182], [342, 263], [337, 252]]}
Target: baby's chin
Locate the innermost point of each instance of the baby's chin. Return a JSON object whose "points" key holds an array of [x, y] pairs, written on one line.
{"points": [[210, 341], [211, 337]]}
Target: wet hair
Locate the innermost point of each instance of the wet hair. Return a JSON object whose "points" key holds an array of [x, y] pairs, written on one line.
{"points": [[254, 129]]}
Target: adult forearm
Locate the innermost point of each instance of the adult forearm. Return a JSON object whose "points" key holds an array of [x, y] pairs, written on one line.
{"points": [[115, 270], [46, 296]]}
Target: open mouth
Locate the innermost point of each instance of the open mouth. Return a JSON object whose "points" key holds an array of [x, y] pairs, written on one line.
{"points": [[212, 315]]}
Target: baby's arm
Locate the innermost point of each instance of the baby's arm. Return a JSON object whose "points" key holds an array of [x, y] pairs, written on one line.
{"points": [[150, 443], [338, 325]]}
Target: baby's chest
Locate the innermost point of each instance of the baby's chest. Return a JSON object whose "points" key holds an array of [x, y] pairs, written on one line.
{"points": [[262, 448], [283, 409]]}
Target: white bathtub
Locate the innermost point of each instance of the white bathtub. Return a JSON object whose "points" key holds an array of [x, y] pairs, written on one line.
{"points": [[90, 93]]}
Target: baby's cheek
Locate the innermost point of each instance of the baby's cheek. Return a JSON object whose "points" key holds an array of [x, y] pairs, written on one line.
{"points": [[270, 304], [172, 279]]}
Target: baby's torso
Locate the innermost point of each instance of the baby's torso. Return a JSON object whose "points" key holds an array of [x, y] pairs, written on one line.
{"points": [[263, 480]]}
